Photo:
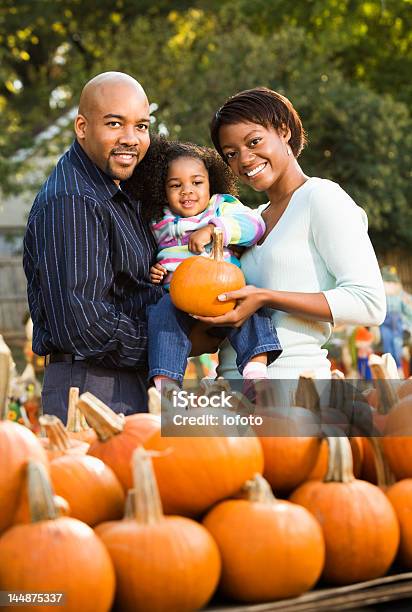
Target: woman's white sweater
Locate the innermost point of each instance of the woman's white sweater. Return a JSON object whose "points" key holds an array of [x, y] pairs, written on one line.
{"points": [[320, 244]]}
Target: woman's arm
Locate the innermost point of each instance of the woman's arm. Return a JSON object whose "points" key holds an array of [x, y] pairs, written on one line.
{"points": [[307, 305]]}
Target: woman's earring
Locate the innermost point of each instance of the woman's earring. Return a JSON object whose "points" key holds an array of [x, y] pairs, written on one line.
{"points": [[289, 150]]}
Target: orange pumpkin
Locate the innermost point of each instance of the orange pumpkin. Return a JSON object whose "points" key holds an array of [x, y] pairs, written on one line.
{"points": [[193, 473], [198, 281], [17, 446], [290, 453], [91, 488], [256, 536], [356, 518], [117, 436], [321, 466], [162, 562], [57, 441], [397, 442], [400, 496], [51, 554]]}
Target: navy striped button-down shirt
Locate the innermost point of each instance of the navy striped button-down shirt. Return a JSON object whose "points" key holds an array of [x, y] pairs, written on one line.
{"points": [[87, 257]]}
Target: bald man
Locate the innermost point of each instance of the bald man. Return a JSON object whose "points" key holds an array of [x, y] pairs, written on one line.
{"points": [[87, 255]]}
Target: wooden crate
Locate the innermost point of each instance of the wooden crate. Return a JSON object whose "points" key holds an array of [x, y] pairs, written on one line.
{"points": [[354, 596]]}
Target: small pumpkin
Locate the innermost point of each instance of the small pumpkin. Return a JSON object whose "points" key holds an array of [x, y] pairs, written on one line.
{"points": [[91, 488], [162, 562], [56, 554], [356, 518], [57, 441], [400, 496], [270, 549], [117, 435], [17, 445], [198, 281]]}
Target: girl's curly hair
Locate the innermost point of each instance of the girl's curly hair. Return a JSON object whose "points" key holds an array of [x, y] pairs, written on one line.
{"points": [[148, 181]]}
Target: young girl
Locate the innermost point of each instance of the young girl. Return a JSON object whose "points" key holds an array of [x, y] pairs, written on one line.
{"points": [[175, 184]]}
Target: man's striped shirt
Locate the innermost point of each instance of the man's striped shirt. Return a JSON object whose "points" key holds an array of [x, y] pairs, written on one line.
{"points": [[87, 257]]}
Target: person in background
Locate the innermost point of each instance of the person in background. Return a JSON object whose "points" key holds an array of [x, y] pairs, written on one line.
{"points": [[398, 315]]}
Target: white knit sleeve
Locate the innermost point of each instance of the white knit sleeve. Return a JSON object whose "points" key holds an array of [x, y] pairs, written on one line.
{"points": [[339, 229]]}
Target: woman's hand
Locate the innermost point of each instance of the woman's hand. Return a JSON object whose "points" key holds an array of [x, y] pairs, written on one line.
{"points": [[157, 273], [200, 238], [249, 300]]}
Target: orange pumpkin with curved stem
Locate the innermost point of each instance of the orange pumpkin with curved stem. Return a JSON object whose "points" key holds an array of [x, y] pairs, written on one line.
{"points": [[162, 562], [198, 280], [56, 554], [117, 436], [58, 441], [368, 522], [270, 549]]}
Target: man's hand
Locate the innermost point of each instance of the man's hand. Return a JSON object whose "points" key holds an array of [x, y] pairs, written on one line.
{"points": [[200, 238], [157, 273]]}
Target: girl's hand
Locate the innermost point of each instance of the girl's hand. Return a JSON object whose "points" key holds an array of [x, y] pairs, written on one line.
{"points": [[157, 273], [200, 238], [250, 299]]}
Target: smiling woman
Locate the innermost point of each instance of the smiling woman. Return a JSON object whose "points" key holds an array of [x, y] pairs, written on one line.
{"points": [[315, 265]]}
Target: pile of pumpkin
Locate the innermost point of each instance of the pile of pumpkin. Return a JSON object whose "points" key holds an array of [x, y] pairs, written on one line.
{"points": [[107, 510]]}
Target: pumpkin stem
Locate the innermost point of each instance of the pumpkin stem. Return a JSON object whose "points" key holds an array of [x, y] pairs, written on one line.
{"points": [[307, 395], [75, 420], [102, 419], [217, 246], [382, 381], [55, 432], [130, 505], [257, 489], [41, 500], [384, 475], [145, 496], [340, 463]]}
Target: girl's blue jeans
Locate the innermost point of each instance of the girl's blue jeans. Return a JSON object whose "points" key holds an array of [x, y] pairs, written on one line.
{"points": [[169, 344]]}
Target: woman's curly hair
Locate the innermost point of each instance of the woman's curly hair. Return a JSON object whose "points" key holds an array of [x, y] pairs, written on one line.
{"points": [[148, 181]]}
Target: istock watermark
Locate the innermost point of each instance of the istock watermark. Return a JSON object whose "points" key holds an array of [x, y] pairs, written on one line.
{"points": [[190, 399]]}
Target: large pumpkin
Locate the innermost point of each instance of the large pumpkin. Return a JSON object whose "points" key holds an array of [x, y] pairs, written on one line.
{"points": [[90, 487], [60, 555], [359, 524], [162, 562], [270, 549], [289, 435], [198, 281], [397, 442], [117, 436], [17, 446], [193, 473], [400, 496]]}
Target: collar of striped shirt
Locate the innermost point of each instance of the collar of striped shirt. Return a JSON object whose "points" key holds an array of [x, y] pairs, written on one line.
{"points": [[101, 182]]}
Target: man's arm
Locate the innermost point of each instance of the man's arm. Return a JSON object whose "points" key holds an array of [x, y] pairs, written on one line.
{"points": [[71, 247]]}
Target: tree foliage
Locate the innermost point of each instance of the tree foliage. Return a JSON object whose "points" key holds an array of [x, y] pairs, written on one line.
{"points": [[344, 63]]}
